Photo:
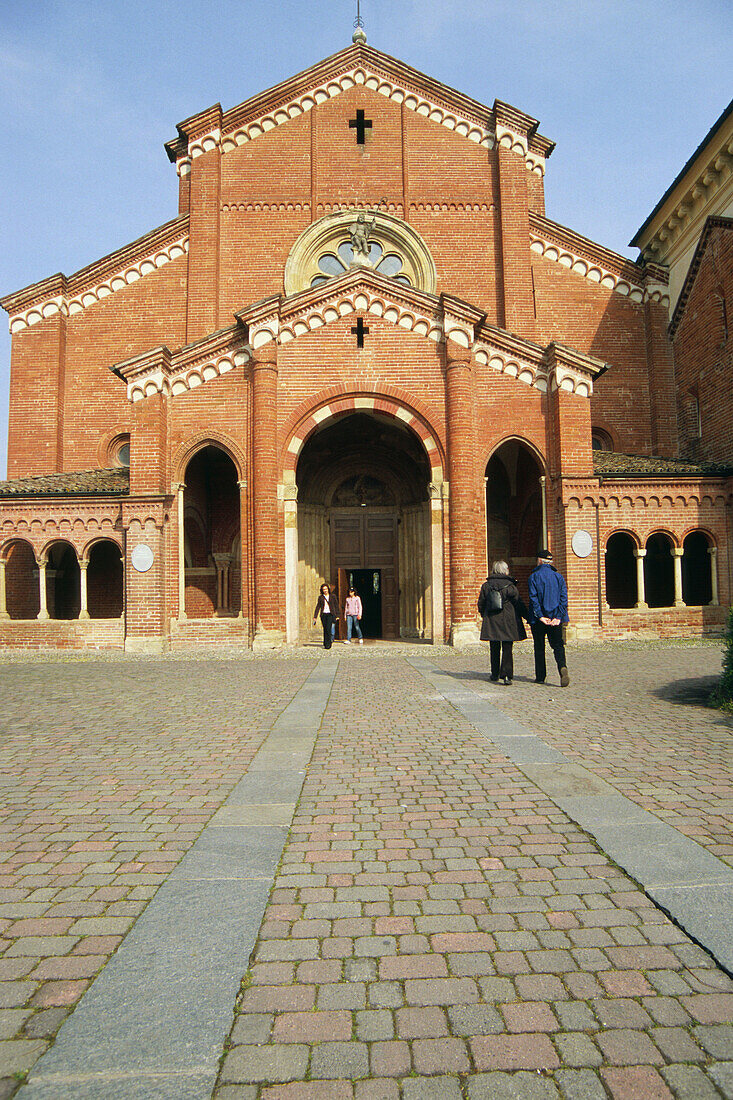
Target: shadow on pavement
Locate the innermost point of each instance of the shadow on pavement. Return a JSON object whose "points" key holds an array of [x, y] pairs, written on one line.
{"points": [[691, 693]]}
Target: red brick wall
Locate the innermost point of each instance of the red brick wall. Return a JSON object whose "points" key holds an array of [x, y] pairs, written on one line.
{"points": [[704, 355]]}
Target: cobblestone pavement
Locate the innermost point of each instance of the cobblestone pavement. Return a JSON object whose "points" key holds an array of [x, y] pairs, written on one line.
{"points": [[437, 929], [635, 716], [109, 770]]}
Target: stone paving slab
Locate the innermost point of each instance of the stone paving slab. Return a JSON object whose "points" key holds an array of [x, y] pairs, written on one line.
{"points": [[161, 1006]]}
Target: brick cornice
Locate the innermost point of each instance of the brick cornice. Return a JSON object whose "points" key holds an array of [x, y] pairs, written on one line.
{"points": [[69, 295], [358, 64], [596, 263], [161, 371]]}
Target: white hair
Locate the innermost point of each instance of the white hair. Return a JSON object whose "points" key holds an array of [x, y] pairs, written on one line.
{"points": [[501, 568]]}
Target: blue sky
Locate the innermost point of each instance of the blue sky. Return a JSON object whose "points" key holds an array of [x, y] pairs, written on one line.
{"points": [[90, 90]]}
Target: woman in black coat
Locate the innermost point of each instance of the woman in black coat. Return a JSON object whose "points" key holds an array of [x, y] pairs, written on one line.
{"points": [[502, 611], [327, 607]]}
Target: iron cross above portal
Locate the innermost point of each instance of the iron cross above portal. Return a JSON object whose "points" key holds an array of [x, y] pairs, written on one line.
{"points": [[361, 125], [359, 330]]}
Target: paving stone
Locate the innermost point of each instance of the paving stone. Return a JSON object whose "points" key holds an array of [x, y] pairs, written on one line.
{"points": [[435, 1088], [635, 1083], [510, 1086], [513, 1052], [689, 1083], [717, 1039], [340, 1060], [722, 1076], [580, 1084], [577, 1049]]}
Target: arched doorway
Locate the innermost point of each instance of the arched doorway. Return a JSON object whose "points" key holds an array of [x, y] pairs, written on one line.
{"points": [[211, 535], [621, 583], [22, 597], [697, 577], [364, 519], [659, 571], [63, 581], [514, 524], [104, 581]]}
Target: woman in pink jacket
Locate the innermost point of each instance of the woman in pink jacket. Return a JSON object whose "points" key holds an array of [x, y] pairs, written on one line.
{"points": [[353, 613]]}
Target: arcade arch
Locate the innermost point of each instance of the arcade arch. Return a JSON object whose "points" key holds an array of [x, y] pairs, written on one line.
{"points": [[211, 535], [515, 518], [364, 517]]}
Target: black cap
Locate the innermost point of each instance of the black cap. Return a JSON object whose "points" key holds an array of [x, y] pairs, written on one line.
{"points": [[546, 555]]}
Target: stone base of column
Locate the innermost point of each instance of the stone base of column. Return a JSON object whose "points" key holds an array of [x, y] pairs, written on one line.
{"points": [[43, 615], [84, 615], [146, 646], [464, 634], [265, 640], [4, 615]]}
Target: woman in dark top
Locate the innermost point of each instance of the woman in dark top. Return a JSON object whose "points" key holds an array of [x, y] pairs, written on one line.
{"points": [[327, 607], [502, 611]]}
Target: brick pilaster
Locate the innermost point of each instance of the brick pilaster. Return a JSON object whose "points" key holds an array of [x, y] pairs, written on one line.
{"points": [[660, 365], [268, 598], [203, 247], [460, 406], [519, 313], [36, 418], [149, 445]]}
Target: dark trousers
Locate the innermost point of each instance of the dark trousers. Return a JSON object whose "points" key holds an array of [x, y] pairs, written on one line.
{"points": [[503, 666], [540, 631], [328, 622]]}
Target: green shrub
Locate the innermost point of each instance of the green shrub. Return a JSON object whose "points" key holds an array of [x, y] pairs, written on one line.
{"points": [[723, 695]]}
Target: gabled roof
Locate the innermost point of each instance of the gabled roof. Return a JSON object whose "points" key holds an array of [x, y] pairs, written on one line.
{"points": [[711, 224], [361, 290], [709, 139], [359, 64]]}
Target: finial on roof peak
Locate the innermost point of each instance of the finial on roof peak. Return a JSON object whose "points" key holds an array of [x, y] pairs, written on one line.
{"points": [[359, 37]]}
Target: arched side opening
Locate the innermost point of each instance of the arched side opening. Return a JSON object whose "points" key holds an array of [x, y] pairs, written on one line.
{"points": [[211, 525], [697, 573], [104, 581], [22, 598], [63, 581], [364, 520], [514, 508], [621, 581], [659, 571]]}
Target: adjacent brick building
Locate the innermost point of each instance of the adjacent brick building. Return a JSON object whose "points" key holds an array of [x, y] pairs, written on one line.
{"points": [[361, 352]]}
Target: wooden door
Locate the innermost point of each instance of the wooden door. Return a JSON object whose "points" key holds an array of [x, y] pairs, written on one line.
{"points": [[365, 539]]}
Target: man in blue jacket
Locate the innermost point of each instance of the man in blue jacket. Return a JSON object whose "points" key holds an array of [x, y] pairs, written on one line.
{"points": [[548, 605]]}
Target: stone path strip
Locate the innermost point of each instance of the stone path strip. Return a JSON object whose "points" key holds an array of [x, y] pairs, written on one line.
{"points": [[684, 879], [153, 1023], [440, 930]]}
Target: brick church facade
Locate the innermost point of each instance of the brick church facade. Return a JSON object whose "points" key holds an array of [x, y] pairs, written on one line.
{"points": [[362, 353]]}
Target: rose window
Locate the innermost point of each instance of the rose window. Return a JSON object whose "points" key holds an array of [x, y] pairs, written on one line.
{"points": [[336, 263]]}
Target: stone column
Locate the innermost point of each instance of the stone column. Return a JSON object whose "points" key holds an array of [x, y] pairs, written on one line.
{"points": [[180, 488], [290, 505], [461, 516], [3, 599], [677, 553], [641, 604], [713, 552], [436, 561], [543, 498], [222, 563], [83, 601], [244, 552], [268, 633], [43, 613]]}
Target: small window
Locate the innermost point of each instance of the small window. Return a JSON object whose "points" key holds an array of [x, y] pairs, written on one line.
{"points": [[600, 440], [118, 451]]}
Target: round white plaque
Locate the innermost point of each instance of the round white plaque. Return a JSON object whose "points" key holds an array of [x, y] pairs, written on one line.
{"points": [[582, 544], [142, 558]]}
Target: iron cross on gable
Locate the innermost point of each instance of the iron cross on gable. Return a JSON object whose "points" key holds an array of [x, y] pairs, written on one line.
{"points": [[361, 125], [359, 330]]}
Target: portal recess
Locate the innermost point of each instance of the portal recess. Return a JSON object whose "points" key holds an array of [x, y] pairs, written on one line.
{"points": [[364, 516]]}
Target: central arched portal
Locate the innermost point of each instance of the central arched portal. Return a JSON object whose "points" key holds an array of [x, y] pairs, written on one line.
{"points": [[364, 519]]}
